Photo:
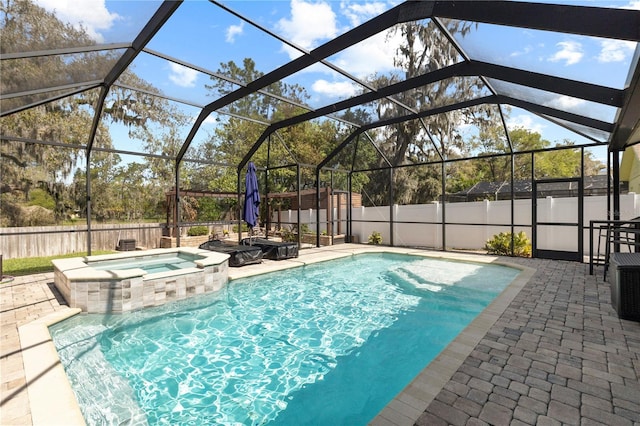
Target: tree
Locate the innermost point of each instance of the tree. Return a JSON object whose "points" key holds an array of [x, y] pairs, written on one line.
{"points": [[28, 27], [306, 143], [552, 163], [424, 48]]}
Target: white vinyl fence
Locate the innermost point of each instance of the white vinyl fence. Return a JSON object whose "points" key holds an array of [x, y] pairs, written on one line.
{"points": [[488, 217]]}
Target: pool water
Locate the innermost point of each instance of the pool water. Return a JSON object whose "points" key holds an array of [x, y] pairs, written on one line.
{"points": [[150, 264], [330, 343]]}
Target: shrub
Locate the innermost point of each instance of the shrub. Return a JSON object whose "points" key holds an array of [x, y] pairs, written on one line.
{"points": [[375, 238], [304, 229], [39, 197], [288, 235], [195, 231], [501, 244], [244, 227], [37, 216]]}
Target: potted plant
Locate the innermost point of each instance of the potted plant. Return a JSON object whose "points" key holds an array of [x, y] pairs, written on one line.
{"points": [[375, 238]]}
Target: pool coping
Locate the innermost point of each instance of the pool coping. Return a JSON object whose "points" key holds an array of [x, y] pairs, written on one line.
{"points": [[44, 371], [51, 397]]}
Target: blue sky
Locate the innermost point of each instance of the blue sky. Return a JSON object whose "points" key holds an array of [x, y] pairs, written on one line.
{"points": [[204, 35]]}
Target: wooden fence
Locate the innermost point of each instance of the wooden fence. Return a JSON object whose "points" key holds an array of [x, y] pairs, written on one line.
{"points": [[36, 241]]}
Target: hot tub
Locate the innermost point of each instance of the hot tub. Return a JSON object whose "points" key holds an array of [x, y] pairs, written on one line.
{"points": [[129, 281]]}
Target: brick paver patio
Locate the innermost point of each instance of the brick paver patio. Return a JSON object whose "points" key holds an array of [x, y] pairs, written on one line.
{"points": [[557, 355], [21, 301]]}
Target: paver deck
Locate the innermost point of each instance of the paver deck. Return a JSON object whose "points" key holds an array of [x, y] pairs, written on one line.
{"points": [[556, 354]]}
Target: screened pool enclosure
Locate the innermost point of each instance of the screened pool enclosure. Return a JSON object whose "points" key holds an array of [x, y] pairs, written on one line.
{"points": [[435, 124]]}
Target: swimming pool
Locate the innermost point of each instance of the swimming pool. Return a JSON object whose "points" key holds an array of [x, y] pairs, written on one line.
{"points": [[150, 264], [313, 345]]}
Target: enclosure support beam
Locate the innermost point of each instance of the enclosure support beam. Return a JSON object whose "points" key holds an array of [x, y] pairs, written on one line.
{"points": [[239, 209], [299, 203], [77, 88], [616, 185], [513, 203], [512, 178], [534, 212], [589, 21], [330, 218], [404, 11], [92, 135], [396, 120], [267, 225], [609, 215], [176, 204], [154, 24], [349, 212], [627, 129], [553, 112], [582, 90], [88, 198], [391, 199], [444, 198], [317, 207], [581, 206]]}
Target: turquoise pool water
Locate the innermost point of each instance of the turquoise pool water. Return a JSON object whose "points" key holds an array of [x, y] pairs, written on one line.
{"points": [[151, 264], [330, 343]]}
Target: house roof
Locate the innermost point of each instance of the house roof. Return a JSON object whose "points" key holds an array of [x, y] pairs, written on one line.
{"points": [[520, 186]]}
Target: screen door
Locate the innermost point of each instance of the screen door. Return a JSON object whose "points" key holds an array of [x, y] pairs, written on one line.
{"points": [[557, 219]]}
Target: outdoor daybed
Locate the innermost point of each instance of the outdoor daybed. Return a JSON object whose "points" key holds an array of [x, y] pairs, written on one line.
{"points": [[274, 250], [240, 254]]}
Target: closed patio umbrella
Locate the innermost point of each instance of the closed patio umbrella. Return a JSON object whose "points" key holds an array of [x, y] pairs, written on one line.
{"points": [[251, 211]]}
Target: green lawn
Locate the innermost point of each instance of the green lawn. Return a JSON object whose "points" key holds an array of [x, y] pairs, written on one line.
{"points": [[34, 265]]}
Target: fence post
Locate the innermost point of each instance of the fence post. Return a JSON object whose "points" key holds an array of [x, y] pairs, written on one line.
{"points": [[487, 207]]}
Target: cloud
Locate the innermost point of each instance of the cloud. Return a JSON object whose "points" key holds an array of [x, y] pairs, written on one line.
{"points": [[359, 13], [341, 89], [525, 51], [525, 122], [233, 31], [182, 76], [634, 4], [615, 50], [212, 119], [618, 50], [565, 103], [374, 54], [569, 51], [310, 24], [92, 15]]}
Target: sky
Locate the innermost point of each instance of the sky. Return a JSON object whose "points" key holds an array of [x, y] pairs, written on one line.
{"points": [[206, 36]]}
